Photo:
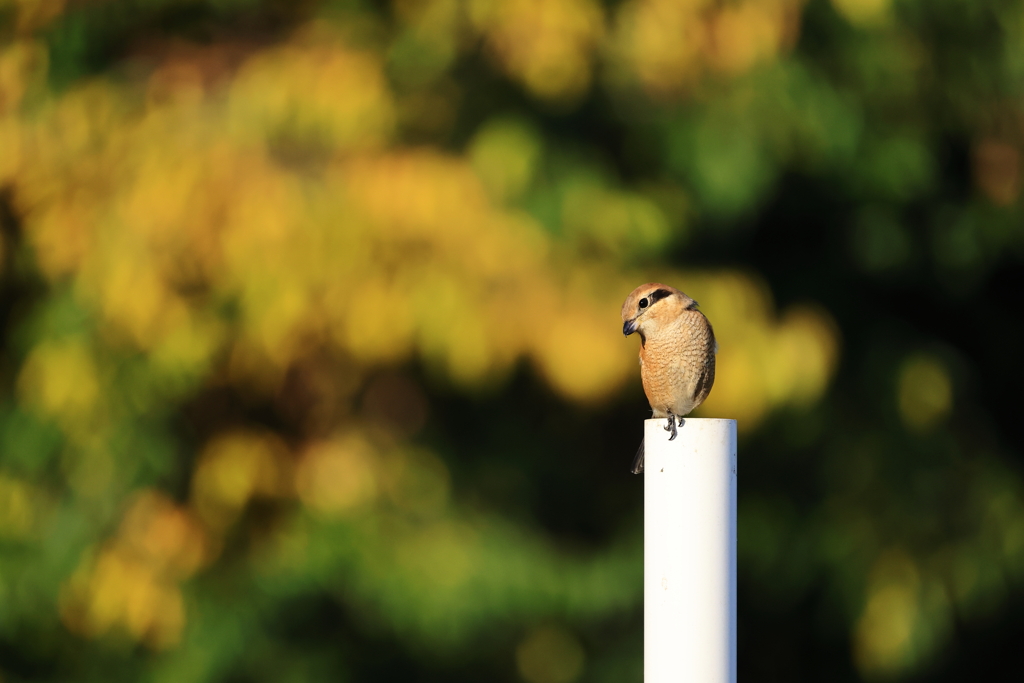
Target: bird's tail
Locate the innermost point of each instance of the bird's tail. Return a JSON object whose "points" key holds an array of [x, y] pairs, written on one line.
{"points": [[638, 461]]}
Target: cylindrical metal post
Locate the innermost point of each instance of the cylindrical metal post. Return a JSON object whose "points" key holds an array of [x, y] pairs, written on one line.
{"points": [[690, 552]]}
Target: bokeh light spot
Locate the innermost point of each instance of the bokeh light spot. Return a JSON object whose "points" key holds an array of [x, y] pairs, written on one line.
{"points": [[505, 153], [884, 635], [862, 12], [235, 467], [550, 654], [61, 378], [336, 475], [17, 511], [924, 392]]}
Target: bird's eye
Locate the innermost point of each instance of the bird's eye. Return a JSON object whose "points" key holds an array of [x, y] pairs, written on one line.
{"points": [[643, 303]]}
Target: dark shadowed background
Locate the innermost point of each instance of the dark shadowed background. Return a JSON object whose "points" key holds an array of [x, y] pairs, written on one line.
{"points": [[311, 365]]}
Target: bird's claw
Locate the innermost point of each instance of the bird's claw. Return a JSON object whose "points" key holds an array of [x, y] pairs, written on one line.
{"points": [[671, 426]]}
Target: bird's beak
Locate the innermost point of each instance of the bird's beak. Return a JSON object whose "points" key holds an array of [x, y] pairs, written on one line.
{"points": [[629, 327]]}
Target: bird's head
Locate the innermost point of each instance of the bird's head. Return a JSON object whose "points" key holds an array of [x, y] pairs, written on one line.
{"points": [[650, 306]]}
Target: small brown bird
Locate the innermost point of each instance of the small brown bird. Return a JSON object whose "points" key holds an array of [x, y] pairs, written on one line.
{"points": [[677, 352]]}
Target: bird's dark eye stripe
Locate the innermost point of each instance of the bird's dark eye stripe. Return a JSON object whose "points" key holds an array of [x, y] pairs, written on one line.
{"points": [[659, 294]]}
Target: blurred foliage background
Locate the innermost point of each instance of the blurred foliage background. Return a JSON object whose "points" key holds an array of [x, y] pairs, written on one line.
{"points": [[310, 358]]}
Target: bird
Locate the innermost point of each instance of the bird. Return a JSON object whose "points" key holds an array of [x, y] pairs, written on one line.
{"points": [[677, 353]]}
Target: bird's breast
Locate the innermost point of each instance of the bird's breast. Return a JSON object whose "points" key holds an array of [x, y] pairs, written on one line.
{"points": [[672, 364]]}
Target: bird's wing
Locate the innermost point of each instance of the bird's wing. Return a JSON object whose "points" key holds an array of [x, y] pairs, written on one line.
{"points": [[705, 380]]}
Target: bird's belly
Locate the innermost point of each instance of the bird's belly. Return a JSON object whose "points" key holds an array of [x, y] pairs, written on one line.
{"points": [[670, 389]]}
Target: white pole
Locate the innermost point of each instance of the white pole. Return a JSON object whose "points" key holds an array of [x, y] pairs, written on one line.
{"points": [[690, 552]]}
